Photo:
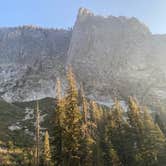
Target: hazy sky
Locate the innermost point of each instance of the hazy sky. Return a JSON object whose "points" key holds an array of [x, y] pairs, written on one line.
{"points": [[62, 13]]}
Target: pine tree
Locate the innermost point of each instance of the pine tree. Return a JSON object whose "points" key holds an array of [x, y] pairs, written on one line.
{"points": [[109, 154], [146, 137], [73, 133], [136, 129], [87, 141], [97, 130], [153, 141], [84, 107], [135, 119], [47, 152], [59, 125], [117, 129]]}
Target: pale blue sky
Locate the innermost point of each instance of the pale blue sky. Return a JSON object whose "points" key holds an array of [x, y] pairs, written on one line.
{"points": [[62, 13]]}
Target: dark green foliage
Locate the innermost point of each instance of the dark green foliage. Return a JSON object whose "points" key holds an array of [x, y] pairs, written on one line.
{"points": [[148, 141], [72, 123], [117, 128], [84, 133], [58, 123]]}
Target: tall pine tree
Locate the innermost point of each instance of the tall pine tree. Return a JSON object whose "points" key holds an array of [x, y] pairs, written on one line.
{"points": [[73, 134], [87, 140], [59, 117], [117, 129]]}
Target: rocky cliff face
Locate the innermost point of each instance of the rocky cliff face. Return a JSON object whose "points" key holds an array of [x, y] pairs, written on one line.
{"points": [[31, 59], [112, 56], [117, 56]]}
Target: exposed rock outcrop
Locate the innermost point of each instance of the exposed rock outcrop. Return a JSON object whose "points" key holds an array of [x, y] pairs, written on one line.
{"points": [[117, 56], [31, 59], [112, 56]]}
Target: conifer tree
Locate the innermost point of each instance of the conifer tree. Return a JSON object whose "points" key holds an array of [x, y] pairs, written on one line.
{"points": [[153, 141], [73, 133], [47, 151], [136, 128], [84, 107], [97, 133], [147, 138], [87, 141], [59, 125], [117, 129]]}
